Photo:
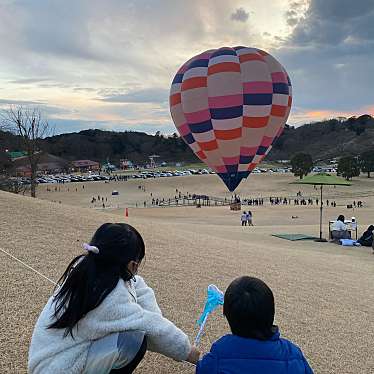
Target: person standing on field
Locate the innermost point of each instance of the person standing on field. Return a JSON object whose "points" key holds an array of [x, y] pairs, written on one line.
{"points": [[249, 218], [243, 218]]}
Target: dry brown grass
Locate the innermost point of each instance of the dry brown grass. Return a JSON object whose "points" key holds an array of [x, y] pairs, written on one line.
{"points": [[324, 293]]}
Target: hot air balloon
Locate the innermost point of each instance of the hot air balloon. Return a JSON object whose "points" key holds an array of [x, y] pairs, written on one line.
{"points": [[230, 105]]}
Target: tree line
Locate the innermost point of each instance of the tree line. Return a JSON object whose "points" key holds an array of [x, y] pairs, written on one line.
{"points": [[25, 129], [326, 139], [348, 166]]}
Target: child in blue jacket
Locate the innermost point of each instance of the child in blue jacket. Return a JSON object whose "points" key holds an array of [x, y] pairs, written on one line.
{"points": [[255, 345]]}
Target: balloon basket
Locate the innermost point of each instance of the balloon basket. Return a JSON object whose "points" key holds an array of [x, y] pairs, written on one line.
{"points": [[235, 206]]}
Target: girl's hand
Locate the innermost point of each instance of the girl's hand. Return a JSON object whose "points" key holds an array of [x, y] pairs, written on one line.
{"points": [[194, 355]]}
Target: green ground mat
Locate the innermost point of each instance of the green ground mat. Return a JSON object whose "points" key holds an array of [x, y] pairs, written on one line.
{"points": [[294, 237]]}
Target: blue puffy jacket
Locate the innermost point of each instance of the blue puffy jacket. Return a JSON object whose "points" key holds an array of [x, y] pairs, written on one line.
{"points": [[233, 354]]}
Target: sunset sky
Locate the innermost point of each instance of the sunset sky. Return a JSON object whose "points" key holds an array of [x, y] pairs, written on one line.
{"points": [[109, 64]]}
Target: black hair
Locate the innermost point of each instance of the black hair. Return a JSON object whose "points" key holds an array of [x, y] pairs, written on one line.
{"points": [[249, 308], [341, 218], [89, 278], [370, 228]]}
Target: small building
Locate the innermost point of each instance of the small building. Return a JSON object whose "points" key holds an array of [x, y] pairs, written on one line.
{"points": [[108, 167], [47, 164], [22, 171], [126, 164], [16, 154], [83, 166]]}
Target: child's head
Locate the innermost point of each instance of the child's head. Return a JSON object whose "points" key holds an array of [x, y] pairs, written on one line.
{"points": [[121, 249], [114, 253], [249, 308]]}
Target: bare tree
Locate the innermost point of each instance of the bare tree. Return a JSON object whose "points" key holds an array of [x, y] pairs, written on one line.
{"points": [[13, 185], [7, 183], [29, 124]]}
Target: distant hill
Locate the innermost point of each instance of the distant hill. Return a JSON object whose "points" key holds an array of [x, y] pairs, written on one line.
{"points": [[323, 140], [326, 139], [98, 145]]}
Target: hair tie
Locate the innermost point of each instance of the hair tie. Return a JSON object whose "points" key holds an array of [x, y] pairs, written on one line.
{"points": [[90, 248]]}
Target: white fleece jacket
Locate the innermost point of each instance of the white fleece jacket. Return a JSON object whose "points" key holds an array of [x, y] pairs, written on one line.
{"points": [[130, 306]]}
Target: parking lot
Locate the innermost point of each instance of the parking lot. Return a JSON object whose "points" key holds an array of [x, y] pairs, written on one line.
{"points": [[148, 173]]}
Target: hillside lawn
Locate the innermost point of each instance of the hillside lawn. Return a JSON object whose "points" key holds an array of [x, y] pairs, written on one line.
{"points": [[324, 292]]}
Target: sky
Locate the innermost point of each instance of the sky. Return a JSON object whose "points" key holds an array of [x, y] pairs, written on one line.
{"points": [[109, 64]]}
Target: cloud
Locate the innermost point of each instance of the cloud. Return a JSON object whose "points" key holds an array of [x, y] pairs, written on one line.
{"points": [[19, 102], [240, 15], [279, 39], [292, 17], [52, 28], [84, 89], [29, 80], [329, 55], [151, 95], [114, 42], [297, 5], [305, 115], [332, 22], [295, 12], [81, 59]]}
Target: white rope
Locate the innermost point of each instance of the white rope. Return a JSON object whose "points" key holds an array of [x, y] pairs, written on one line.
{"points": [[28, 266]]}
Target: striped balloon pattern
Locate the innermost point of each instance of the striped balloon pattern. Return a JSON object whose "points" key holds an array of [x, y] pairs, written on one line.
{"points": [[230, 105]]}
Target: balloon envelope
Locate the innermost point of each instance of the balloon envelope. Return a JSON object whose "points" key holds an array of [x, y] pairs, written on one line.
{"points": [[230, 105]]}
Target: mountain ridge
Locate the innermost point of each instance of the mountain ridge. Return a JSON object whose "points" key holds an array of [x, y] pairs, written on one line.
{"points": [[323, 140]]}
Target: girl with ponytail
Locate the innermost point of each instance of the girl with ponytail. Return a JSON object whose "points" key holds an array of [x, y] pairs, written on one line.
{"points": [[103, 317]]}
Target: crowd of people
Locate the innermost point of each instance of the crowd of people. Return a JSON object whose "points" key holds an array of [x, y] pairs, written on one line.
{"points": [[253, 202], [358, 204], [101, 200], [298, 201], [182, 198], [122, 178], [277, 200]]}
